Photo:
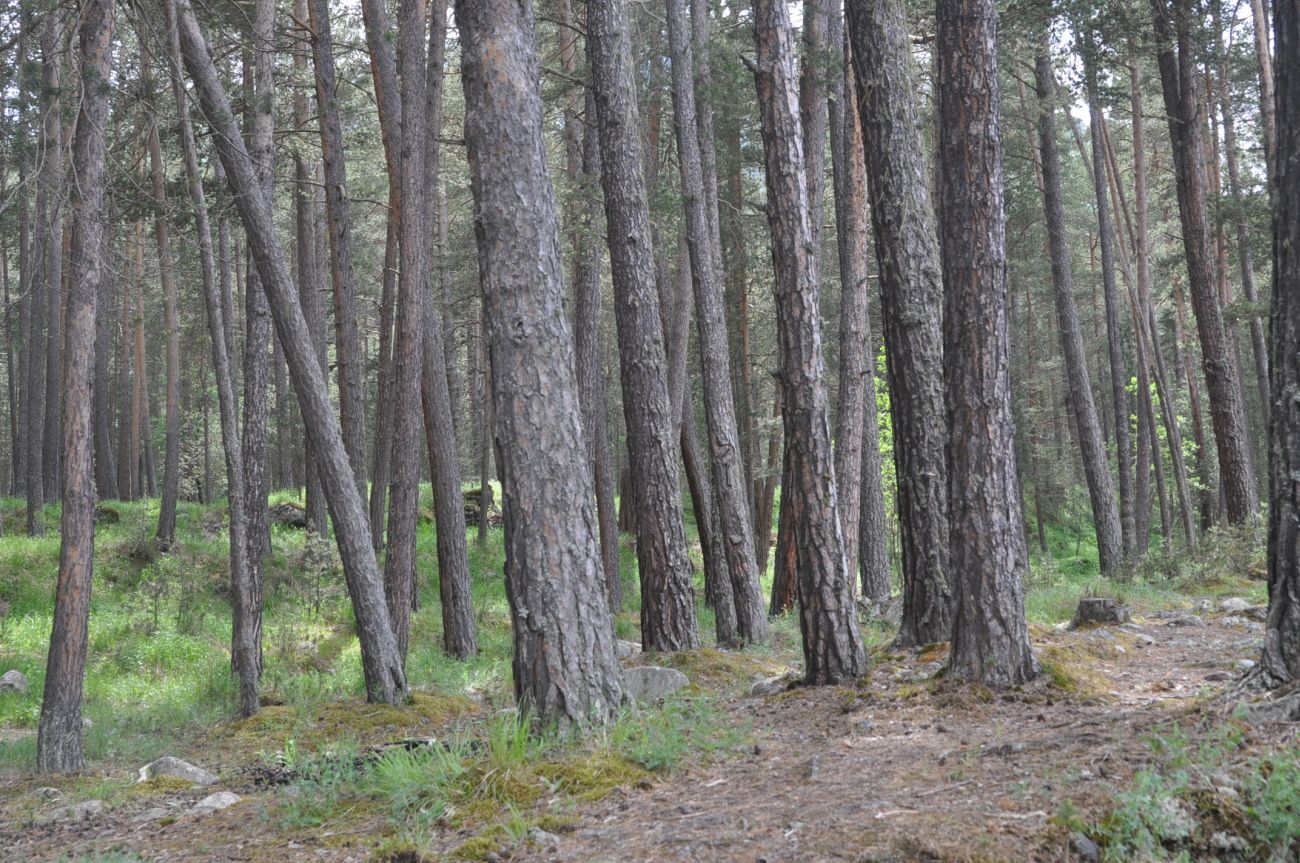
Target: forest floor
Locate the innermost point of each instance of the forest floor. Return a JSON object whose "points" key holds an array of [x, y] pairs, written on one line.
{"points": [[1125, 748]]}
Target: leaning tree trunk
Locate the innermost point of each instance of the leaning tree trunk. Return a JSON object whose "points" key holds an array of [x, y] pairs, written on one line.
{"points": [[667, 598], [911, 303], [990, 639], [1092, 445], [832, 647], [715, 363], [564, 665], [223, 371], [381, 661], [1183, 106], [59, 736], [1281, 660], [857, 433]]}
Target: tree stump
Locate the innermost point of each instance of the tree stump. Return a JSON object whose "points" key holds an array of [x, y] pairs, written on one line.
{"points": [[1098, 610]]}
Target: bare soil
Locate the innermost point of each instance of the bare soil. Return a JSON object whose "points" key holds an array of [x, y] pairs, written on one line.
{"points": [[902, 767]]}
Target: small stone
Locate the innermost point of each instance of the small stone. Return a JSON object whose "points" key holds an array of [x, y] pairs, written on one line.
{"points": [[85, 809], [1223, 841], [649, 683], [13, 681], [1084, 848], [86, 723], [157, 813], [1234, 605], [1234, 620], [48, 793], [543, 839], [1226, 793], [493, 857], [1218, 676], [1204, 606], [214, 803], [774, 685], [624, 648], [1245, 664], [1144, 639], [177, 769], [1190, 620]]}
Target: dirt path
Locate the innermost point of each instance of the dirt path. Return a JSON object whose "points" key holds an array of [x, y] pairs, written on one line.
{"points": [[900, 767]]}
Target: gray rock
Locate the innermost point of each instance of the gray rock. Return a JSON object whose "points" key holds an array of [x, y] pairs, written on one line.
{"points": [[1234, 605], [85, 809], [1191, 620], [48, 793], [1084, 848], [1204, 606], [1245, 664], [1222, 841], [1218, 676], [13, 681], [215, 802], [648, 683], [157, 813], [1176, 822], [177, 769], [624, 648], [1144, 639], [774, 685], [543, 839]]}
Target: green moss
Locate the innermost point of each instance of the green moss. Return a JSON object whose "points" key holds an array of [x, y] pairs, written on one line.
{"points": [[1071, 669], [591, 777]]}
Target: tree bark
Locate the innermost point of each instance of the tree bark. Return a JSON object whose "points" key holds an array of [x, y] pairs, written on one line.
{"points": [[381, 661], [59, 735], [1184, 110], [990, 639], [564, 665], [832, 647], [911, 302], [1092, 446], [667, 597], [1280, 663], [715, 363], [1267, 101]]}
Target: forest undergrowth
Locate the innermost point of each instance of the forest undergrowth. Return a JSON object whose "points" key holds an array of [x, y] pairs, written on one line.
{"points": [[1159, 769]]}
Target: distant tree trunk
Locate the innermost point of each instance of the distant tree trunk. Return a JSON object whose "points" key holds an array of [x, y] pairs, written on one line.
{"points": [[347, 339], [223, 371], [715, 363], [380, 659], [990, 639], [459, 635], [1227, 410], [1204, 461], [413, 290], [564, 665], [1267, 103], [171, 318], [1092, 446], [765, 493], [102, 412], [911, 303], [667, 598], [1119, 374], [59, 735], [857, 434], [832, 647], [55, 289], [487, 428], [140, 437], [1258, 342], [128, 464], [1280, 663]]}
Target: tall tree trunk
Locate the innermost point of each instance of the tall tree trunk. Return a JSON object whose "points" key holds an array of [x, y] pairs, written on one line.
{"points": [[171, 318], [459, 635], [223, 371], [1119, 374], [380, 659], [857, 433], [1227, 410], [59, 735], [667, 598], [911, 302], [1267, 102], [715, 363], [564, 665], [347, 339], [832, 647], [990, 639], [1280, 663], [1092, 447]]}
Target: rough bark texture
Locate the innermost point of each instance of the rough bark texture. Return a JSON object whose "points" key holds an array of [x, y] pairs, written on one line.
{"points": [[1092, 444], [564, 665], [1267, 100], [59, 736], [911, 302], [990, 640], [715, 362], [1281, 660], [857, 433], [832, 647], [380, 659], [222, 365], [667, 598], [1178, 70]]}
